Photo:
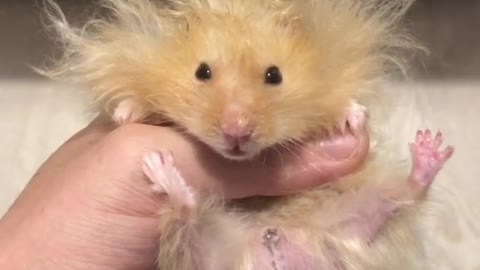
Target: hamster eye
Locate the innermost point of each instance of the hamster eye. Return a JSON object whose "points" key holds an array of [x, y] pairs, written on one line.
{"points": [[273, 75], [203, 72]]}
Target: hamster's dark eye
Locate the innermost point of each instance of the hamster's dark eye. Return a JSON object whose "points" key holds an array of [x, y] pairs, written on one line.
{"points": [[203, 72], [273, 75]]}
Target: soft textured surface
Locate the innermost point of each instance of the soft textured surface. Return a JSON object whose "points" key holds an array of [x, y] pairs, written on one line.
{"points": [[37, 116]]}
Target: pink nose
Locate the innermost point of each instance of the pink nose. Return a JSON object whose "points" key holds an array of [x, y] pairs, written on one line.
{"points": [[237, 138]]}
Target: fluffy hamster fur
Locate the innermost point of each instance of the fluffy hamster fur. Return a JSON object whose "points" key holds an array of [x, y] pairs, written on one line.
{"points": [[329, 52]]}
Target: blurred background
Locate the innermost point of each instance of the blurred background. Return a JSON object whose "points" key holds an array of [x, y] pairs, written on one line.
{"points": [[448, 27]]}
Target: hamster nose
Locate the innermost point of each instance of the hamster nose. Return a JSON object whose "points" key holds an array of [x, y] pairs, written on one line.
{"points": [[238, 137]]}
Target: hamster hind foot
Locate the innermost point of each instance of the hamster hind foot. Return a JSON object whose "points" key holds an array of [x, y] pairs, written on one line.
{"points": [[179, 239], [160, 169], [366, 212], [427, 159]]}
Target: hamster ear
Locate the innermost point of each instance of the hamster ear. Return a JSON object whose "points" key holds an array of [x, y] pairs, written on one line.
{"points": [[290, 23], [185, 12], [288, 17], [192, 19], [187, 19]]}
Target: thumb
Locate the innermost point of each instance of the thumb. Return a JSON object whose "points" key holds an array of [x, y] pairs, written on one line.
{"points": [[316, 164]]}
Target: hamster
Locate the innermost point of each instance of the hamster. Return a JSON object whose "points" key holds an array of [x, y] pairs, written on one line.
{"points": [[244, 76]]}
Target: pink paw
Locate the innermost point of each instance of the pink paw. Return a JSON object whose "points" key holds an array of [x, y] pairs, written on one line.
{"points": [[354, 118], [127, 111], [427, 158], [165, 177]]}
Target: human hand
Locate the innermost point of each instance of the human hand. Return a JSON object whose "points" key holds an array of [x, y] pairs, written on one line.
{"points": [[90, 206]]}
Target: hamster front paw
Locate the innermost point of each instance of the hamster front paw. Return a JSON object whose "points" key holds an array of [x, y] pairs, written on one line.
{"points": [[127, 111], [354, 118]]}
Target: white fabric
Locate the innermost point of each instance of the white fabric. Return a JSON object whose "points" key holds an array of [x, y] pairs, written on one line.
{"points": [[37, 116]]}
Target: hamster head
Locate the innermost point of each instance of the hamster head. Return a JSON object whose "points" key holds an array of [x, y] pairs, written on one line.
{"points": [[241, 76], [242, 85]]}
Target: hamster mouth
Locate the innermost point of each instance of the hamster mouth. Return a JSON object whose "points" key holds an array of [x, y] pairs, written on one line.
{"points": [[236, 151], [239, 152]]}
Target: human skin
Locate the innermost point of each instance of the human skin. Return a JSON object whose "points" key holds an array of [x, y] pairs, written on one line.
{"points": [[89, 206]]}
